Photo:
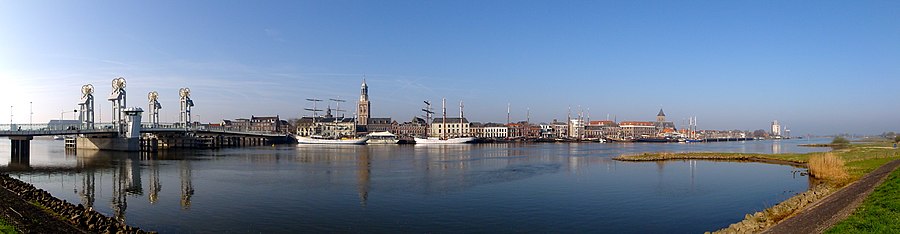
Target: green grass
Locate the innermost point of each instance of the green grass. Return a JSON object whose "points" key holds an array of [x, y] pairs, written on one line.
{"points": [[5, 228], [879, 213]]}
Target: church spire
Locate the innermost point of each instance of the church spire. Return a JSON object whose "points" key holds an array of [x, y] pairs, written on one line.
{"points": [[362, 108]]}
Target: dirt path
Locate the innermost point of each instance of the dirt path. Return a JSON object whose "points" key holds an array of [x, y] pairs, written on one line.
{"points": [[825, 213]]}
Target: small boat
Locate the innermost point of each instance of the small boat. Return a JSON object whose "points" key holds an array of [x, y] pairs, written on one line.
{"points": [[316, 139], [437, 140], [382, 138], [692, 140], [653, 139], [59, 137]]}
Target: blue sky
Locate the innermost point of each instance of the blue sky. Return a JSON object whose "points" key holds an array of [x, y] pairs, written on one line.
{"points": [[819, 67]]}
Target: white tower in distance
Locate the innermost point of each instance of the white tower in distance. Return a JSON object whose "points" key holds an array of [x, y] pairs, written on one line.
{"points": [[776, 128]]}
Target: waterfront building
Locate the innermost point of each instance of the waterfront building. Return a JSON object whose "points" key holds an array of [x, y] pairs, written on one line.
{"points": [[576, 128], [381, 125], [455, 127], [560, 129], [362, 108], [340, 126], [413, 128], [593, 132], [523, 130], [239, 124], [776, 129], [490, 130], [637, 129], [603, 129], [265, 124], [546, 131]]}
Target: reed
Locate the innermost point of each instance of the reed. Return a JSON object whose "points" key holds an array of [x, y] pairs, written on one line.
{"points": [[829, 167]]}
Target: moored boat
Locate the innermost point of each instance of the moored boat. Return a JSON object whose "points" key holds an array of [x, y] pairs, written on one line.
{"points": [[437, 140], [323, 140], [382, 138]]}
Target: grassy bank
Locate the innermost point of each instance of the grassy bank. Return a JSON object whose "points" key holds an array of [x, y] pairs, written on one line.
{"points": [[6, 228], [836, 169], [879, 213]]}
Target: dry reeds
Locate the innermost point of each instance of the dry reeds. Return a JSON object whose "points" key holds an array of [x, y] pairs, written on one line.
{"points": [[828, 167]]}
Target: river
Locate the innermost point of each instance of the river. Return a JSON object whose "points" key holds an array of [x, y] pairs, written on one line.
{"points": [[405, 188]]}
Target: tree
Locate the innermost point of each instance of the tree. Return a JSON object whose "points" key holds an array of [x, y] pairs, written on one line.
{"points": [[838, 140], [897, 139], [760, 133]]}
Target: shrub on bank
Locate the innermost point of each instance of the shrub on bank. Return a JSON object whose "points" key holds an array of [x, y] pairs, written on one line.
{"points": [[840, 141]]}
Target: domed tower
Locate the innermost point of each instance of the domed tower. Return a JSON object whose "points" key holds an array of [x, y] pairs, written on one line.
{"points": [[362, 108], [661, 117]]}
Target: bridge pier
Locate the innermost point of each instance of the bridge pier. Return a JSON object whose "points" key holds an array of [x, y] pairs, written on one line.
{"points": [[20, 150]]}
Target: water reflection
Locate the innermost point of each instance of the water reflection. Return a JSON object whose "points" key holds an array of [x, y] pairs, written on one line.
{"points": [[187, 187], [155, 185], [330, 181], [363, 170]]}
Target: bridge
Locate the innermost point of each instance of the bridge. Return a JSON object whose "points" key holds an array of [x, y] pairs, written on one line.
{"points": [[126, 132]]}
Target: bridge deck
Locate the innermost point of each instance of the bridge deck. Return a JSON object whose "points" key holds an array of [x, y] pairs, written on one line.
{"points": [[48, 130]]}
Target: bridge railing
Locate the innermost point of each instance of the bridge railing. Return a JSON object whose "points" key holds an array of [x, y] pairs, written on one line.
{"points": [[101, 127], [208, 128]]}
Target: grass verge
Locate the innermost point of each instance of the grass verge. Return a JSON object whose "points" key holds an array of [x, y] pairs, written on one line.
{"points": [[6, 228], [879, 213]]}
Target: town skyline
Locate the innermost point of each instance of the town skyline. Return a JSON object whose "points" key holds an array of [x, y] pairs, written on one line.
{"points": [[811, 70]]}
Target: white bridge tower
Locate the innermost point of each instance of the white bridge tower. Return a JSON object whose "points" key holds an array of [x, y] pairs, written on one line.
{"points": [[154, 109], [186, 104], [86, 107], [117, 97]]}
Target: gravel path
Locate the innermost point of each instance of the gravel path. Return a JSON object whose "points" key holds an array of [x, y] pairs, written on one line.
{"points": [[825, 213]]}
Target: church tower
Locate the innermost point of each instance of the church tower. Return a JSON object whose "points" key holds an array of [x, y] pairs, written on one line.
{"points": [[362, 108], [661, 117]]}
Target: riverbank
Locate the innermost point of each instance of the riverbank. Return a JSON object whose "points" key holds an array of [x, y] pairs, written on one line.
{"points": [[857, 161], [823, 214], [878, 213], [33, 210]]}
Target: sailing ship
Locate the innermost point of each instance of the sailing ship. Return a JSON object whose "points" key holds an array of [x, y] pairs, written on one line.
{"points": [[329, 129], [443, 139]]}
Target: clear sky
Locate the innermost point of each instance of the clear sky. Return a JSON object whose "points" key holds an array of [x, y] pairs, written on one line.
{"points": [[818, 67]]}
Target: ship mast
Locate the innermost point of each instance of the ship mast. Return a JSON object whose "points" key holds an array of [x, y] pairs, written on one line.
{"points": [[444, 119], [428, 114], [461, 133]]}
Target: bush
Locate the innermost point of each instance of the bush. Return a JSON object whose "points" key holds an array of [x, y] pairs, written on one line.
{"points": [[840, 141], [897, 138]]}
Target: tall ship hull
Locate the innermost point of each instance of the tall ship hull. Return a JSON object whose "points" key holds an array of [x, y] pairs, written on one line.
{"points": [[324, 141], [435, 140]]}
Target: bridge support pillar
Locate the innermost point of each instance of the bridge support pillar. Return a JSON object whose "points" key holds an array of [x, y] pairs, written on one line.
{"points": [[20, 149]]}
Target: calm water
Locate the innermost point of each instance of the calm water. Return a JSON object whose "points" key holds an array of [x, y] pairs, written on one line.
{"points": [[463, 188]]}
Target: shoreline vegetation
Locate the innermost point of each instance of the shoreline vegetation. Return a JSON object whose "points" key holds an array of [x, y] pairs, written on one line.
{"points": [[833, 171]]}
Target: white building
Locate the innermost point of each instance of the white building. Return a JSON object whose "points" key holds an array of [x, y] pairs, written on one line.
{"points": [[576, 128], [776, 128], [454, 127]]}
